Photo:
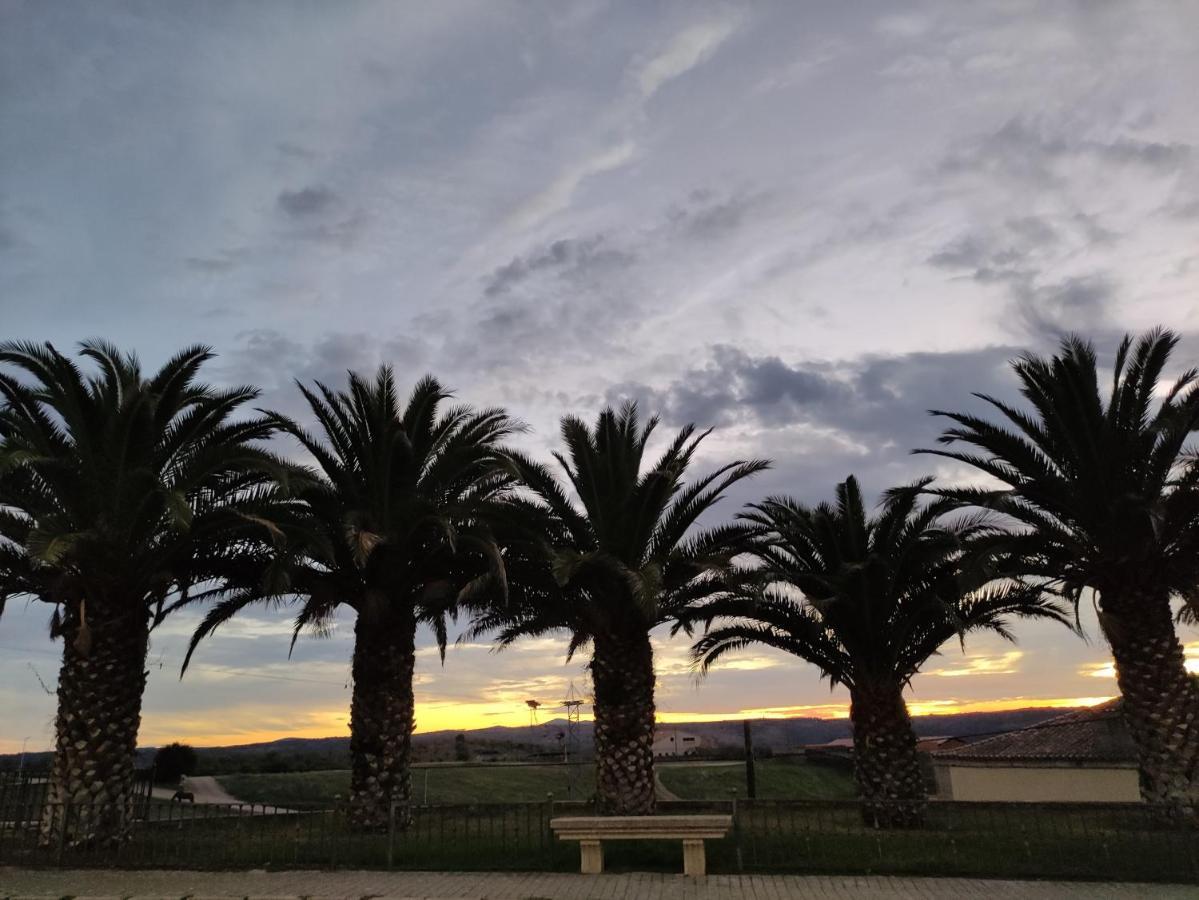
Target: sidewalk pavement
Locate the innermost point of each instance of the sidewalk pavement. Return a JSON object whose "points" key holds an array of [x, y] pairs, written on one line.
{"points": [[54, 884]]}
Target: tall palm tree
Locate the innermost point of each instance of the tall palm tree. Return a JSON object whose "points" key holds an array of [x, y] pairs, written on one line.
{"points": [[1106, 497], [119, 494], [867, 600], [400, 511], [623, 561]]}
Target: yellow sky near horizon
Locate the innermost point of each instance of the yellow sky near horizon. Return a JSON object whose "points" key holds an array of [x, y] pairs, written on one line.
{"points": [[310, 699], [258, 723], [259, 726]]}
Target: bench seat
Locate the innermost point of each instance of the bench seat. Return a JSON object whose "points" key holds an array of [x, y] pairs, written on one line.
{"points": [[592, 831]]}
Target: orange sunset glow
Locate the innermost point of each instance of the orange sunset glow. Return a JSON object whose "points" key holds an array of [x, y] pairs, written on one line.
{"points": [[254, 724]]}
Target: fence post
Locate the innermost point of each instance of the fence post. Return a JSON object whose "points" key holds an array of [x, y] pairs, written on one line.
{"points": [[391, 833], [62, 832], [751, 781], [737, 836], [549, 832], [1194, 816]]}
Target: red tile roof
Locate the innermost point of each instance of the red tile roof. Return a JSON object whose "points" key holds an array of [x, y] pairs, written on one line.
{"points": [[1095, 734]]}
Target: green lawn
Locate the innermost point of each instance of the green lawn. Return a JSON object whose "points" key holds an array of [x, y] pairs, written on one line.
{"points": [[777, 779], [435, 785]]}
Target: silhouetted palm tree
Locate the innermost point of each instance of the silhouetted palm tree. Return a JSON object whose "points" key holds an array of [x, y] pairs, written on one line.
{"points": [[1106, 495], [622, 562], [118, 495], [399, 530], [867, 600]]}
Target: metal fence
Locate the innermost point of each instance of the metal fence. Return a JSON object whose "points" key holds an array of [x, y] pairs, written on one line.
{"points": [[1092, 841]]}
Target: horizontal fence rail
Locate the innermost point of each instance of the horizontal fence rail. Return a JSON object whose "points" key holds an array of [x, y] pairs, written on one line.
{"points": [[1051, 840]]}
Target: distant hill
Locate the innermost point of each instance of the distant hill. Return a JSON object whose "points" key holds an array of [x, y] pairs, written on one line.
{"points": [[545, 740]]}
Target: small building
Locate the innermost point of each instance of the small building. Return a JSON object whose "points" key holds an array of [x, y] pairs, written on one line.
{"points": [[1082, 756], [672, 742]]}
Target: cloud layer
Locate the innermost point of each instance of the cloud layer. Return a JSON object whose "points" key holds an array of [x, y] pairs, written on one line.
{"points": [[803, 224]]}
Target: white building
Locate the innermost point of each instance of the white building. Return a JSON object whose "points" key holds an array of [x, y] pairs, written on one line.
{"points": [[673, 742], [1083, 756]]}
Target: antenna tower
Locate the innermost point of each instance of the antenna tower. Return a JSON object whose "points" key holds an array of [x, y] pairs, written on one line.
{"points": [[573, 705]]}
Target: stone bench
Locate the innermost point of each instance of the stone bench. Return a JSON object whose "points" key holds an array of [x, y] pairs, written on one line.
{"points": [[592, 831]]}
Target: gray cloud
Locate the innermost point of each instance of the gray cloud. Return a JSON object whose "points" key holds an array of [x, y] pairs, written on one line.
{"points": [[871, 396], [1017, 256], [307, 201], [706, 216], [566, 259], [290, 150], [342, 232], [1081, 304], [821, 421], [1185, 209], [1027, 149]]}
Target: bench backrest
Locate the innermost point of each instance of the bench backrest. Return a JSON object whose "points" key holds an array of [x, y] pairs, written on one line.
{"points": [[645, 827]]}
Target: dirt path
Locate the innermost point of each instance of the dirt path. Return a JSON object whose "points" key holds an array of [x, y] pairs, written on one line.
{"points": [[661, 791], [208, 790], [205, 787]]}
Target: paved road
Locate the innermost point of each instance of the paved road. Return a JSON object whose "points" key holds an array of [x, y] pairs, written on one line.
{"points": [[163, 885]]}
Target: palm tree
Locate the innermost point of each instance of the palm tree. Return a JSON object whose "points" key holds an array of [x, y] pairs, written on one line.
{"points": [[399, 530], [867, 600], [118, 495], [1106, 497], [621, 565]]}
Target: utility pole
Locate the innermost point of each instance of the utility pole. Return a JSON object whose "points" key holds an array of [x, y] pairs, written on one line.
{"points": [[751, 782]]}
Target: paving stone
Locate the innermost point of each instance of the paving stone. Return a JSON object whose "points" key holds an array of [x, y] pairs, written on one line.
{"points": [[109, 884]]}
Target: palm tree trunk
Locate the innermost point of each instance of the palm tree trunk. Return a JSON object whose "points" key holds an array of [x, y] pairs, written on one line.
{"points": [[886, 764], [91, 797], [381, 719], [622, 672], [1160, 700]]}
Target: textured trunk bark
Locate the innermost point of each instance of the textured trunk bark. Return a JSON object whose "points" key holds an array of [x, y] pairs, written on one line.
{"points": [[381, 719], [622, 672], [1160, 700], [91, 798], [886, 764]]}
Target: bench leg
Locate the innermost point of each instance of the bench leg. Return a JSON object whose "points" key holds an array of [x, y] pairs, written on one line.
{"points": [[694, 862], [592, 853]]}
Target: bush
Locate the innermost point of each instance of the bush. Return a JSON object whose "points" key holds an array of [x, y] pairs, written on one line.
{"points": [[172, 762]]}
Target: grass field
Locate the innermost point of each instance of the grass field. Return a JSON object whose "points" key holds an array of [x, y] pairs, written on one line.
{"points": [[777, 779], [434, 785]]}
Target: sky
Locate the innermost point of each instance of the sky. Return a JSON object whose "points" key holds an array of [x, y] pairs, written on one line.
{"points": [[802, 225]]}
